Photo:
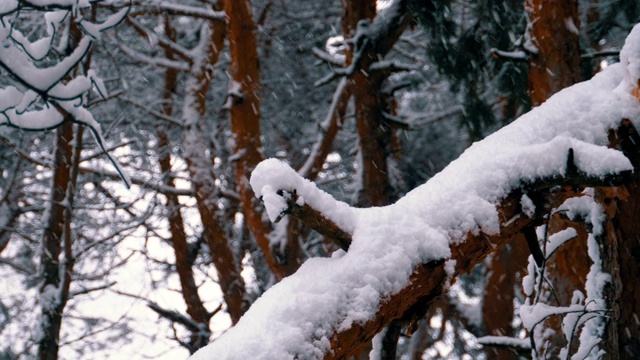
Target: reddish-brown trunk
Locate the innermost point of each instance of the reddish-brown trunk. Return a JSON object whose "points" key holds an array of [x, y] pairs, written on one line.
{"points": [[553, 28], [498, 310], [374, 138], [245, 125], [200, 168], [184, 263], [620, 253]]}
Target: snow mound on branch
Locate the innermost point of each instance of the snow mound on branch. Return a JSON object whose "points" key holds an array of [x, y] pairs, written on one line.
{"points": [[272, 175], [297, 317]]}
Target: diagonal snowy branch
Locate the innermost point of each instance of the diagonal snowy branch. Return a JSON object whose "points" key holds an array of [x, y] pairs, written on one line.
{"points": [[404, 255]]}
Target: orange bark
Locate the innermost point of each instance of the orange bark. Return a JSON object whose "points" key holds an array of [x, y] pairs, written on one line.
{"points": [[245, 125], [553, 30], [200, 168], [373, 137], [498, 310]]}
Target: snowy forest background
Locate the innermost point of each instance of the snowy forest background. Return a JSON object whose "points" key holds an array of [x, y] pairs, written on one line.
{"points": [[182, 99]]}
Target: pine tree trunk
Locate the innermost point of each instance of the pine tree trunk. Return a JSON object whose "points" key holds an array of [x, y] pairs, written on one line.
{"points": [[553, 30], [245, 125], [54, 290], [184, 262], [200, 168], [498, 309]]}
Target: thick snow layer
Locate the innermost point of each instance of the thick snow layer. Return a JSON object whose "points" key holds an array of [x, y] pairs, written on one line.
{"points": [[273, 175], [297, 317]]}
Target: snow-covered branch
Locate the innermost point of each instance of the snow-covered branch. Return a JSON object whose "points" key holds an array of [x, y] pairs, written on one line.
{"points": [[404, 255], [373, 40], [166, 7], [53, 96]]}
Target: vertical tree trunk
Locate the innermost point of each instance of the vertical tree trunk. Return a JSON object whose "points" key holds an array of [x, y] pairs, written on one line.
{"points": [[56, 258], [200, 167], [374, 137], [621, 254], [553, 30], [184, 261], [54, 290], [245, 125], [498, 310], [554, 65], [626, 267]]}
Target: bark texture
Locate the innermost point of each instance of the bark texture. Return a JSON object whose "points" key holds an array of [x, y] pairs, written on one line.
{"points": [[554, 65], [200, 166], [184, 260], [506, 267], [56, 261], [245, 125], [375, 136], [621, 253], [553, 30]]}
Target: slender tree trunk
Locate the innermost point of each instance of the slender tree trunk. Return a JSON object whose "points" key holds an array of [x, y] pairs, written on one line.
{"points": [[54, 290], [184, 258], [56, 258], [374, 136], [498, 310], [200, 168], [245, 125]]}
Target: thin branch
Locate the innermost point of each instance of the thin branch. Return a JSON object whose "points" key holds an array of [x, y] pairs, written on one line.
{"points": [[19, 267], [596, 54], [175, 317], [88, 290], [316, 220], [326, 57], [148, 184], [159, 62], [165, 42], [155, 113], [166, 7]]}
